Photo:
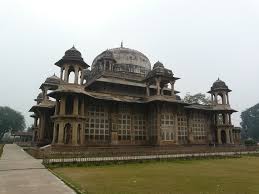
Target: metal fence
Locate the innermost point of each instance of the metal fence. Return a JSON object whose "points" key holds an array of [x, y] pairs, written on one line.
{"points": [[101, 156]]}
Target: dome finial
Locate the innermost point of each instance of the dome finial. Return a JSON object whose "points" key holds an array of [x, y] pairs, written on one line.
{"points": [[122, 44]]}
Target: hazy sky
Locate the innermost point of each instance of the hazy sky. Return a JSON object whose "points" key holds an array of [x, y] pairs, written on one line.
{"points": [[200, 40]]}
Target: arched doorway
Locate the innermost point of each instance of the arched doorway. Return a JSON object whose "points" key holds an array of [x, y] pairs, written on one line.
{"points": [[68, 133], [223, 137]]}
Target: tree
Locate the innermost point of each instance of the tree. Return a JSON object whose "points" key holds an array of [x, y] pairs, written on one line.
{"points": [[197, 99], [30, 128], [250, 122], [10, 120]]}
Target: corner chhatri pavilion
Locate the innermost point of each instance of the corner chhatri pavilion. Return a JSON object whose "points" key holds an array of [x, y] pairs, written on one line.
{"points": [[123, 101]]}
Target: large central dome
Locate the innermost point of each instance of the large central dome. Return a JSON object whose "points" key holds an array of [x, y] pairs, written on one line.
{"points": [[127, 60]]}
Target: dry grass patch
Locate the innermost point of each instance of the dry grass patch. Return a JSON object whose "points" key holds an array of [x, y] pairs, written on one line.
{"points": [[224, 176]]}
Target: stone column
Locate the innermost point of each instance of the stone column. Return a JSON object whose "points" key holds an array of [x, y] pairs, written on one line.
{"points": [[44, 92], [42, 126], [66, 73], [231, 136], [82, 77], [54, 133], [227, 136], [82, 107], [230, 122], [226, 118], [216, 98], [61, 73], [227, 98], [158, 123], [211, 96], [62, 105], [224, 98], [158, 86], [76, 74], [57, 107], [35, 121], [82, 134], [61, 133], [147, 90], [75, 106], [172, 87], [219, 136], [74, 133]]}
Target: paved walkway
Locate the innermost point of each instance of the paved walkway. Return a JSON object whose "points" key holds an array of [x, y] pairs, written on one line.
{"points": [[22, 174]]}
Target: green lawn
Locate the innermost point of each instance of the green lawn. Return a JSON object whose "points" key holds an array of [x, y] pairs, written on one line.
{"points": [[210, 176]]}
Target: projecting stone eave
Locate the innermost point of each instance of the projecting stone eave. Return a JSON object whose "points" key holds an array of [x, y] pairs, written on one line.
{"points": [[163, 98], [46, 104], [72, 60], [230, 110], [67, 88], [213, 108], [199, 107], [219, 89]]}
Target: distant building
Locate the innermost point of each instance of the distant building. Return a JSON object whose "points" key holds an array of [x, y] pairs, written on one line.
{"points": [[123, 101], [22, 137]]}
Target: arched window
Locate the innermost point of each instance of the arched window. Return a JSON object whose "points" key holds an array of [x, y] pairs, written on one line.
{"points": [[220, 99], [220, 119], [80, 76], [107, 65], [71, 75], [68, 133]]}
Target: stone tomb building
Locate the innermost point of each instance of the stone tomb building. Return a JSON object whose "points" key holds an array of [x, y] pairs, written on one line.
{"points": [[123, 101]]}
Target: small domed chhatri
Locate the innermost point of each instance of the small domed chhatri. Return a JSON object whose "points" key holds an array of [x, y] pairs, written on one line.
{"points": [[122, 101], [72, 55], [73, 52], [40, 96], [219, 84], [52, 80], [158, 64]]}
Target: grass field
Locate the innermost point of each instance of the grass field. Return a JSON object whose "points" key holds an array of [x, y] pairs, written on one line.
{"points": [[208, 176]]}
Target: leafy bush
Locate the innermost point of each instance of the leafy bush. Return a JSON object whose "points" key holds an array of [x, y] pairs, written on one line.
{"points": [[250, 142]]}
